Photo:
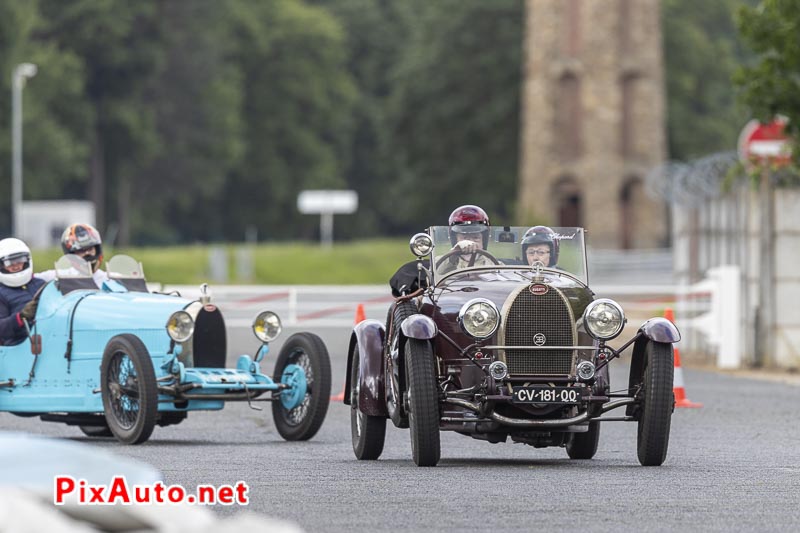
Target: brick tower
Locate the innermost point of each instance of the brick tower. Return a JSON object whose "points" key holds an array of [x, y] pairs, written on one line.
{"points": [[593, 120]]}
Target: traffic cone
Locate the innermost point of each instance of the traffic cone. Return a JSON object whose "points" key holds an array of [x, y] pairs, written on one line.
{"points": [[360, 317], [678, 388]]}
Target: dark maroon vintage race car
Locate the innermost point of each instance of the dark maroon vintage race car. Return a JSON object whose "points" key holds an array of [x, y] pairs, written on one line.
{"points": [[490, 346]]}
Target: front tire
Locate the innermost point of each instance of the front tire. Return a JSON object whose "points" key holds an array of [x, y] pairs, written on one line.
{"points": [[584, 445], [658, 402], [423, 402], [129, 390], [368, 432], [307, 351]]}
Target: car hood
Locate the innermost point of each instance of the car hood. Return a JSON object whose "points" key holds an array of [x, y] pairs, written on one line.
{"points": [[103, 310]]}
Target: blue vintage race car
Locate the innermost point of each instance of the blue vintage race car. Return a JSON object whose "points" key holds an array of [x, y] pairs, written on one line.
{"points": [[121, 360]]}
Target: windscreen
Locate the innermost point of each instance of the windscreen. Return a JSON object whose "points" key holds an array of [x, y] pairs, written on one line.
{"points": [[556, 248], [124, 267], [72, 266]]}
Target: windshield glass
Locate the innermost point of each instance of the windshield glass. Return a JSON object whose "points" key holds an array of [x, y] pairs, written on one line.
{"points": [[559, 249], [72, 266], [124, 267]]}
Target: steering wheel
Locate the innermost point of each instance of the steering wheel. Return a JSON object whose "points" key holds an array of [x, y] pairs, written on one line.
{"points": [[477, 252]]}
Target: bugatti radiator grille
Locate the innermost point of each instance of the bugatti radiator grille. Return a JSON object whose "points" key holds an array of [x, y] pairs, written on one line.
{"points": [[539, 320]]}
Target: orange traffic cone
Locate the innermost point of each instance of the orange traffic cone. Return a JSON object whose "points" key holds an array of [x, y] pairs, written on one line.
{"points": [[678, 388], [360, 317]]}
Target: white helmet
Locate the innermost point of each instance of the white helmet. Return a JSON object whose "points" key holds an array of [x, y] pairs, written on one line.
{"points": [[12, 252]]}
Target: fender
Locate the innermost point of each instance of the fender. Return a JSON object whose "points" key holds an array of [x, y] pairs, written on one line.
{"points": [[660, 330], [418, 326], [369, 336], [654, 330]]}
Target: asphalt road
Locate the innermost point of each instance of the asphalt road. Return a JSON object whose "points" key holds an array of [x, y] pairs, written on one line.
{"points": [[733, 465]]}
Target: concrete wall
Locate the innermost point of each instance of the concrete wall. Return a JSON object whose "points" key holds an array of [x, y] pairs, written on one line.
{"points": [[736, 229]]}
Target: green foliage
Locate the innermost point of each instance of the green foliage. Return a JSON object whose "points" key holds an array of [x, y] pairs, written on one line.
{"points": [[297, 107], [772, 84], [201, 120], [701, 53], [360, 262], [54, 110], [453, 115]]}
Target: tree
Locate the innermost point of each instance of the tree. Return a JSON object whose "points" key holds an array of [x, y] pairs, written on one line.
{"points": [[297, 109], [55, 110], [771, 86], [118, 43], [701, 53], [196, 101], [453, 114]]}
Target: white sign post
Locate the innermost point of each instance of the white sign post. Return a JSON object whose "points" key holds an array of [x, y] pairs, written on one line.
{"points": [[326, 204]]}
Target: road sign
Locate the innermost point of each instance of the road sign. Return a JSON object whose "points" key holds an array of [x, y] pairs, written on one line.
{"points": [[765, 143], [326, 204], [315, 202]]}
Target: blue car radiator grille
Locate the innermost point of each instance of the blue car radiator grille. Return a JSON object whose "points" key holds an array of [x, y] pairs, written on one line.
{"points": [[533, 320]]}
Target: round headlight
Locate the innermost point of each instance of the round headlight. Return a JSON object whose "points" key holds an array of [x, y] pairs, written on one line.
{"points": [[604, 319], [180, 326], [421, 244], [479, 318], [498, 370], [267, 326], [585, 370]]}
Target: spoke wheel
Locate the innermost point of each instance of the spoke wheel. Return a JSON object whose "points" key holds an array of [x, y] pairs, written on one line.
{"points": [[129, 389], [368, 432], [584, 445], [307, 351], [423, 402], [655, 412]]}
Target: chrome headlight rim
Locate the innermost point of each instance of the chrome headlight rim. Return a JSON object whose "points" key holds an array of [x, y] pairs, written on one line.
{"points": [[588, 318], [421, 244], [180, 326], [267, 326], [463, 318]]}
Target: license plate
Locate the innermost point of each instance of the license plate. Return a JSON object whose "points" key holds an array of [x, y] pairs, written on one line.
{"points": [[546, 395]]}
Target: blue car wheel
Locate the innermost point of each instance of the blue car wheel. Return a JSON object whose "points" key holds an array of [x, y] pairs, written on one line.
{"points": [[301, 422], [129, 389]]}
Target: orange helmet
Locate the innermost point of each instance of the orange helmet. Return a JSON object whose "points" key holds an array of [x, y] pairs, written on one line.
{"points": [[79, 237]]}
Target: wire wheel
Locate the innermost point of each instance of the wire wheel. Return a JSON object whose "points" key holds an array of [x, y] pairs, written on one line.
{"points": [[129, 389], [308, 352]]}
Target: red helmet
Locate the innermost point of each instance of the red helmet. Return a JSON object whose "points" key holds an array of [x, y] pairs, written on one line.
{"points": [[541, 235], [469, 219]]}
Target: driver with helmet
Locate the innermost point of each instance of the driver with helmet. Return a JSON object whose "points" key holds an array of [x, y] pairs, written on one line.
{"points": [[540, 245], [469, 233], [84, 241], [17, 290]]}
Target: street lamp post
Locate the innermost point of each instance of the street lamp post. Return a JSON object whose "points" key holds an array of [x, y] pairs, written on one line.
{"points": [[22, 72]]}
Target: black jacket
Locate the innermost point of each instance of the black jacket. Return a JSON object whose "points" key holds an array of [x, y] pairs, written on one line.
{"points": [[12, 300]]}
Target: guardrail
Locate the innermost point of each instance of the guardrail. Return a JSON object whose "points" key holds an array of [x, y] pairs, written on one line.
{"points": [[708, 313]]}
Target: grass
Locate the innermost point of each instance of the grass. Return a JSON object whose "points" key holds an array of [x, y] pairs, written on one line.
{"points": [[350, 263]]}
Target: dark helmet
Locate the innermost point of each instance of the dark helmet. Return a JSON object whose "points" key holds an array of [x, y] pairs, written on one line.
{"points": [[80, 237], [541, 235], [469, 219]]}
